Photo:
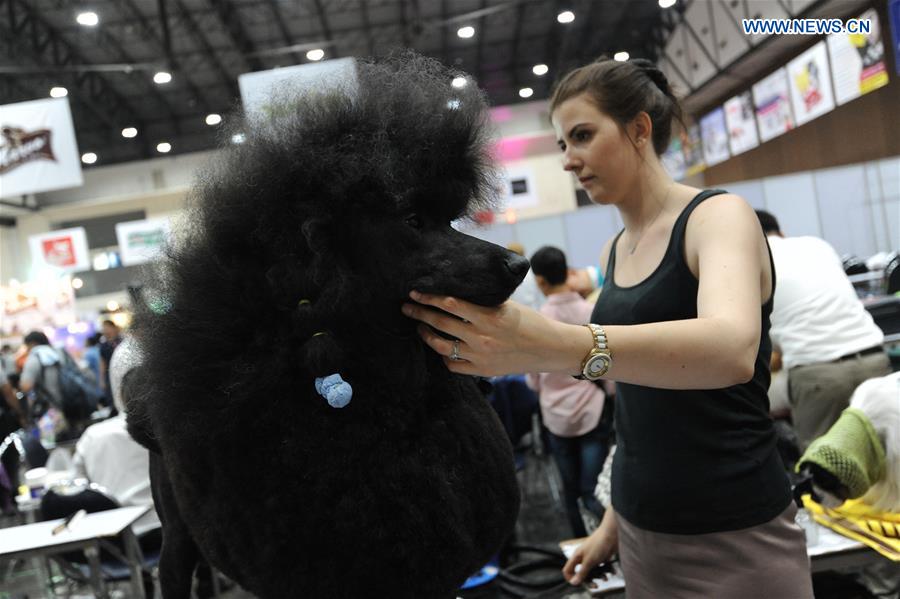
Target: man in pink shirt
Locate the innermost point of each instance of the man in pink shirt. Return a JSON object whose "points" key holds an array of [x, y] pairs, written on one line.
{"points": [[571, 409]]}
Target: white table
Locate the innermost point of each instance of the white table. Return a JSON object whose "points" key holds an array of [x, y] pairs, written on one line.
{"points": [[38, 540], [830, 552]]}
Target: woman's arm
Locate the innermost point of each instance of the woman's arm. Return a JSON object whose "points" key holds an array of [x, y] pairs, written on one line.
{"points": [[714, 350]]}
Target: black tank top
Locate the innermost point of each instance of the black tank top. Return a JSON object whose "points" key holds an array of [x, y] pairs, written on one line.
{"points": [[690, 461]]}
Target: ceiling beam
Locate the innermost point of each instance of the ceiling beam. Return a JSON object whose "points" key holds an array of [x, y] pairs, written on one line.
{"points": [[326, 28], [200, 38], [286, 36], [227, 15], [367, 27]]}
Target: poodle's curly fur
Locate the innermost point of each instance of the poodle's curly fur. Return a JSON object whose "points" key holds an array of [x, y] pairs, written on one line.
{"points": [[343, 200]]}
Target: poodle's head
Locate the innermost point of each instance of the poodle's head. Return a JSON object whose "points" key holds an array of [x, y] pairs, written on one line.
{"points": [[337, 204]]}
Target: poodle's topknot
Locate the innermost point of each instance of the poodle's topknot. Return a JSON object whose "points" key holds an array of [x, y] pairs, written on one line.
{"points": [[291, 264]]}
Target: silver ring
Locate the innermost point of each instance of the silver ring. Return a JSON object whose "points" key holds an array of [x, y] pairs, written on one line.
{"points": [[454, 354]]}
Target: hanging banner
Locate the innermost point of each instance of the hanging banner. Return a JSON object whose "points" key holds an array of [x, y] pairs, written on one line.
{"points": [[38, 151], [771, 96], [810, 81], [65, 250], [741, 124], [715, 137], [142, 240], [260, 88], [857, 61]]}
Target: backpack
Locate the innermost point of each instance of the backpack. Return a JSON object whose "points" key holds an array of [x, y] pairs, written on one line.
{"points": [[78, 395]]}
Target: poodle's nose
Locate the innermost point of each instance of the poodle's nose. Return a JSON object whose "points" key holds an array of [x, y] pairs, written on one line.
{"points": [[517, 265]]}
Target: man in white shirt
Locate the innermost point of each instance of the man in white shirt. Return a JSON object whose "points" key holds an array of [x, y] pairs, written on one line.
{"points": [[828, 341], [108, 456]]}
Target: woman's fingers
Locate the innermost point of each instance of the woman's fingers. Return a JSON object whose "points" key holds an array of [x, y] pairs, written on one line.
{"points": [[569, 570], [459, 308], [437, 320]]}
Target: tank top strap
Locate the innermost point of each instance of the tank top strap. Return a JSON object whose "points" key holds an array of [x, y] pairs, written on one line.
{"points": [[676, 243], [611, 259]]}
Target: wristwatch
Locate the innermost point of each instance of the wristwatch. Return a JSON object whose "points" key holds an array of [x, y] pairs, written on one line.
{"points": [[597, 362]]}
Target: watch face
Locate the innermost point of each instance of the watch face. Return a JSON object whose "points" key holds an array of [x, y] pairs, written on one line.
{"points": [[597, 366]]}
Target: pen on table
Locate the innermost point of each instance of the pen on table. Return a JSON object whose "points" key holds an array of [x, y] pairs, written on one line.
{"points": [[69, 522]]}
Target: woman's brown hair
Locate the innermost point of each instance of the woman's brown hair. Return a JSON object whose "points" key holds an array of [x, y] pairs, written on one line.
{"points": [[622, 90]]}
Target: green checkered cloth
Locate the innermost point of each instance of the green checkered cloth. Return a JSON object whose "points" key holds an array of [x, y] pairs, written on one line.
{"points": [[851, 451]]}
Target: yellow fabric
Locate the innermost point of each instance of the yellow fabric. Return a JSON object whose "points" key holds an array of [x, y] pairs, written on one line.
{"points": [[861, 522]]}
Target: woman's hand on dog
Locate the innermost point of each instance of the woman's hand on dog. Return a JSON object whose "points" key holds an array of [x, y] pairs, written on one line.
{"points": [[506, 339], [594, 550]]}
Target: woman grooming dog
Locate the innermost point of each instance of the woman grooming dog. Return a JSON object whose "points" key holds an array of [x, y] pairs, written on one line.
{"points": [[701, 503]]}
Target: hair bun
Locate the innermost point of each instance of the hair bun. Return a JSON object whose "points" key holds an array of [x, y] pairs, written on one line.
{"points": [[653, 72]]}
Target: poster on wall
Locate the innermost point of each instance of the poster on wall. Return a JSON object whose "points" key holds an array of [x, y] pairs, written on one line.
{"points": [[259, 88], [715, 137], [65, 250], [771, 97], [693, 151], [142, 240], [810, 81], [893, 11], [857, 61], [519, 189], [38, 151], [673, 159], [741, 123]]}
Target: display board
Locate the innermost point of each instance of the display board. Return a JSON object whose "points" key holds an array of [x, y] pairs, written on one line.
{"points": [[857, 61], [142, 240], [259, 88], [810, 81], [771, 97], [741, 122], [715, 137], [65, 250], [38, 150]]}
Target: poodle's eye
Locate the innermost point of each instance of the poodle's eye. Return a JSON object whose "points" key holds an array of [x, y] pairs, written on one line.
{"points": [[414, 221]]}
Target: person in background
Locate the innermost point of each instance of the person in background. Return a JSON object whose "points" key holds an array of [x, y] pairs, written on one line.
{"points": [[107, 455], [40, 373], [829, 341], [571, 409], [112, 337], [7, 359], [527, 292], [92, 356], [701, 504]]}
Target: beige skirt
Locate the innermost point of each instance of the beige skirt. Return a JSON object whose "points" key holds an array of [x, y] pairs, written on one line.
{"points": [[768, 560]]}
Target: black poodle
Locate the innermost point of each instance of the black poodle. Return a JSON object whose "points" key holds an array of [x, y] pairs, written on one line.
{"points": [[301, 245]]}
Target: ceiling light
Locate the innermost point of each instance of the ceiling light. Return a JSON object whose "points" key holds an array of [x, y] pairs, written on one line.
{"points": [[317, 54], [666, 3], [465, 32], [238, 138], [567, 16], [88, 19], [526, 92], [112, 306], [58, 92], [77, 283], [129, 132], [621, 56], [458, 82], [89, 158], [213, 119], [540, 69], [163, 147], [162, 77]]}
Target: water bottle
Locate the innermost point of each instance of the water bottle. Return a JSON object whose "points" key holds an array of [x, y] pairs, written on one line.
{"points": [[805, 520]]}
